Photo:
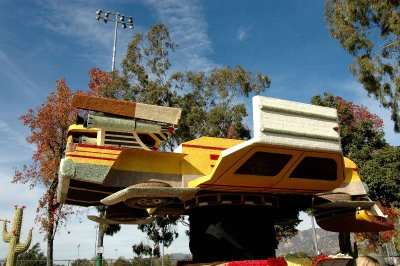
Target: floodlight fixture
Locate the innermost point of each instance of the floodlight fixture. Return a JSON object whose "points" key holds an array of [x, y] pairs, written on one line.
{"points": [[117, 18]]}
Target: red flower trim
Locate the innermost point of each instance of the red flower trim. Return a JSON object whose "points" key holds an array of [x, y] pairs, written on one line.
{"points": [[320, 257], [268, 262]]}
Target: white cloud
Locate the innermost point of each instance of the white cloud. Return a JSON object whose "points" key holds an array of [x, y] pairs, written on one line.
{"points": [[76, 20], [13, 135], [25, 87], [184, 19], [188, 29], [242, 33], [14, 145], [305, 223]]}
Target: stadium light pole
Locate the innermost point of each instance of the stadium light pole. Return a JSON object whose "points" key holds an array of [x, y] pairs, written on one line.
{"points": [[314, 236], [117, 18], [95, 242]]}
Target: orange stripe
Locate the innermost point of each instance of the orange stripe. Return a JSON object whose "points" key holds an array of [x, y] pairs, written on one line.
{"points": [[90, 157], [100, 147], [96, 152], [203, 147]]}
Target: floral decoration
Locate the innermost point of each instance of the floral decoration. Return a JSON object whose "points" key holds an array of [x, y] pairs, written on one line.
{"points": [[268, 262], [319, 258]]}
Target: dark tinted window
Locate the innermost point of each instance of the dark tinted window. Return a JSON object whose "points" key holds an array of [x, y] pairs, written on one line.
{"points": [[316, 168], [264, 164]]}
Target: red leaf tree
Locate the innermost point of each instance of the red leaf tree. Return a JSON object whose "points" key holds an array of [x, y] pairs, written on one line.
{"points": [[99, 81], [362, 137], [48, 124]]}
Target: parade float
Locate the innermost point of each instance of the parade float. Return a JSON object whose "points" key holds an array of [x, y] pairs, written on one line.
{"points": [[233, 191]]}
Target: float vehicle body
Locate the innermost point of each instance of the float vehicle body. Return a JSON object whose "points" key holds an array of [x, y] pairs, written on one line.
{"points": [[293, 162]]}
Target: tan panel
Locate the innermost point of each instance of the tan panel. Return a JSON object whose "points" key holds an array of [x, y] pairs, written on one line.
{"points": [[110, 106], [161, 114]]}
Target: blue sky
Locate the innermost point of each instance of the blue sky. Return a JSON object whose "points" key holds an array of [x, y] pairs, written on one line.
{"points": [[42, 41]]}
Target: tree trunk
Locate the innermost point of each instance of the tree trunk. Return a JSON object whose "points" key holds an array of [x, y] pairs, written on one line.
{"points": [[345, 243], [51, 227], [49, 250], [355, 250]]}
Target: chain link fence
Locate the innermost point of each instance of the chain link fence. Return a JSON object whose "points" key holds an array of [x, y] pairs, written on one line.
{"points": [[106, 262]]}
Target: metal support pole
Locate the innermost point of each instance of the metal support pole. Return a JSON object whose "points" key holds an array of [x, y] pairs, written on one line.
{"points": [[115, 42], [314, 236], [95, 243]]}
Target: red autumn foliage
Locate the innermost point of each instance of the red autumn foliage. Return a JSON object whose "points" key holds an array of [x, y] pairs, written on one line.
{"points": [[48, 124], [356, 114], [392, 214], [98, 81]]}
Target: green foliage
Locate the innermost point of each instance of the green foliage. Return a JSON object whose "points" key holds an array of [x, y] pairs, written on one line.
{"points": [[369, 31], [121, 261], [162, 232], [32, 257], [210, 102], [82, 262], [296, 255], [208, 99], [286, 231], [142, 262], [141, 250], [382, 174]]}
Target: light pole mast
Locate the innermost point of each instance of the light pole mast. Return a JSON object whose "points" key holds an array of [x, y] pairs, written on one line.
{"points": [[314, 236], [119, 19]]}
